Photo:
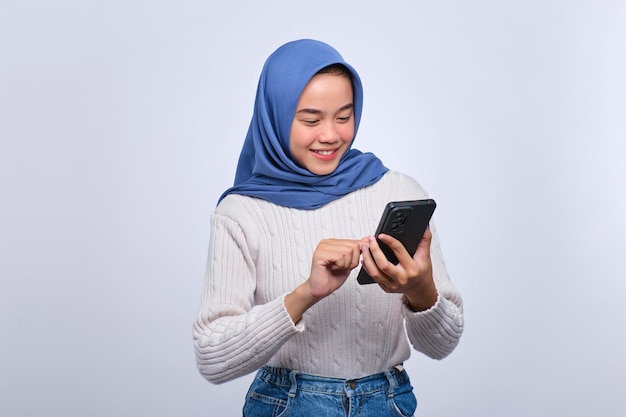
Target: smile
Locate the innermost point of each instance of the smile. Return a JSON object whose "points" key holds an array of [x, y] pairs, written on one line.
{"points": [[325, 154], [330, 152]]}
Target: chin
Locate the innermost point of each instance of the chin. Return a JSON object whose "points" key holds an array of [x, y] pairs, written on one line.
{"points": [[324, 171]]}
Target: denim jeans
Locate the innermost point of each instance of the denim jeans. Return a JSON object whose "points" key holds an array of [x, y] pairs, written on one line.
{"points": [[277, 392]]}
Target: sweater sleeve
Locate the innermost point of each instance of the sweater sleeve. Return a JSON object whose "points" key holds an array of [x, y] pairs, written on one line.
{"points": [[436, 331], [232, 335]]}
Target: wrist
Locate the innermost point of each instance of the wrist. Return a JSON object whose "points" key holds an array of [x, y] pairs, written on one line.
{"points": [[306, 295], [298, 301], [421, 300]]}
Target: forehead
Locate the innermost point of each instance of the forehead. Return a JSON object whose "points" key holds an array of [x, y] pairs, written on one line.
{"points": [[327, 88]]}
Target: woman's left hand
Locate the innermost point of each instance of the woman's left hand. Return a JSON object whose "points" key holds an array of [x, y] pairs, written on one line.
{"points": [[412, 276]]}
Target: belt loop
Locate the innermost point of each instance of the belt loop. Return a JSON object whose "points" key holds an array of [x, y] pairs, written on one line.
{"points": [[389, 373], [294, 384]]}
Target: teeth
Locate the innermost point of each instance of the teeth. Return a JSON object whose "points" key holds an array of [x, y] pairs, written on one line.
{"points": [[324, 152]]}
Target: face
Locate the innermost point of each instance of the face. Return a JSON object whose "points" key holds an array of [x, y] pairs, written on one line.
{"points": [[323, 126]]}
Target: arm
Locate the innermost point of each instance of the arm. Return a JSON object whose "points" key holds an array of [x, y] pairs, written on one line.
{"points": [[333, 260], [433, 307], [436, 332], [232, 336]]}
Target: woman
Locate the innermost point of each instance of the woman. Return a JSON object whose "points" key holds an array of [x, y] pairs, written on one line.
{"points": [[280, 293]]}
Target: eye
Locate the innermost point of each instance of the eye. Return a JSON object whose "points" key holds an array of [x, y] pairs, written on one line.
{"points": [[344, 119], [310, 122]]}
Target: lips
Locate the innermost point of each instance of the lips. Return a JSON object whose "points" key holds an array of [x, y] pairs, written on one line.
{"points": [[325, 154]]}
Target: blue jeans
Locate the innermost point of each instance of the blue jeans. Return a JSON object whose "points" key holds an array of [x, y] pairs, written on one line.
{"points": [[277, 392]]}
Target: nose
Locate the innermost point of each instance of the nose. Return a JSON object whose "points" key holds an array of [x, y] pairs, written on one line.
{"points": [[329, 133]]}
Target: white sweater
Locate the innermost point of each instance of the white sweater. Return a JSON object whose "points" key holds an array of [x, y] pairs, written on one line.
{"points": [[259, 252]]}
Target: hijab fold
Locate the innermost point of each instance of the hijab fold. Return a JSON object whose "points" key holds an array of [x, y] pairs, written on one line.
{"points": [[266, 168]]}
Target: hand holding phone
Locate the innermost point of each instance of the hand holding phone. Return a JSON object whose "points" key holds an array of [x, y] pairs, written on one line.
{"points": [[406, 221]]}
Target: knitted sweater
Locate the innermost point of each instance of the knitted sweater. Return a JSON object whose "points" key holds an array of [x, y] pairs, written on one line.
{"points": [[259, 252]]}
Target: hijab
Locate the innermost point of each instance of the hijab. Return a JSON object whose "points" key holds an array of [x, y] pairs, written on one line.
{"points": [[266, 168]]}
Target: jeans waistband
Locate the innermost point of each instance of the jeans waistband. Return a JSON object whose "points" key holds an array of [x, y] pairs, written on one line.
{"points": [[386, 380]]}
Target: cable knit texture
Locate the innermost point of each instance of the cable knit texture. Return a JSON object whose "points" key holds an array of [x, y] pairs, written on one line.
{"points": [[259, 252]]}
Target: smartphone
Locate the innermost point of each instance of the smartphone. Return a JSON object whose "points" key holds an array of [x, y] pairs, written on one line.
{"points": [[406, 221]]}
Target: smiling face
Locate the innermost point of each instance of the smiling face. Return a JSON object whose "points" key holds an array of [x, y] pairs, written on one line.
{"points": [[323, 126]]}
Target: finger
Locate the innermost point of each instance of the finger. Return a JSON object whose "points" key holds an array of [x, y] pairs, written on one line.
{"points": [[397, 247], [345, 260], [424, 245], [356, 255], [367, 260], [339, 254], [351, 253], [376, 263], [368, 263], [381, 260]]}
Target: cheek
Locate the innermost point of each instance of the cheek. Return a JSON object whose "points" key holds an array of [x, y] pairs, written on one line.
{"points": [[298, 138], [298, 144], [347, 131]]}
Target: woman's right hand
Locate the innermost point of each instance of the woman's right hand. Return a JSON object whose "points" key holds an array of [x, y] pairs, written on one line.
{"points": [[333, 260]]}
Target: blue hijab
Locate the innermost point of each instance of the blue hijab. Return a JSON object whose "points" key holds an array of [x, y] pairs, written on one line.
{"points": [[266, 168]]}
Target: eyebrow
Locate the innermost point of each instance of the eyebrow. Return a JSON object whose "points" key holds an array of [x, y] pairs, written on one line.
{"points": [[315, 111]]}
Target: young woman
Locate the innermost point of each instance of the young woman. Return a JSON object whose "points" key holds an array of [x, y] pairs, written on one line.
{"points": [[280, 294]]}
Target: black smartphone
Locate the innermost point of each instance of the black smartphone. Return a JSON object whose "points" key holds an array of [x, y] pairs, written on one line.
{"points": [[406, 221]]}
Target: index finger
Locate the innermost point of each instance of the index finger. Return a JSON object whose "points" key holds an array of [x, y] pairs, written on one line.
{"points": [[396, 247]]}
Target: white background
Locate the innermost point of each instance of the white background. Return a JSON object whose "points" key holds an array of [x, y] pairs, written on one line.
{"points": [[121, 123]]}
